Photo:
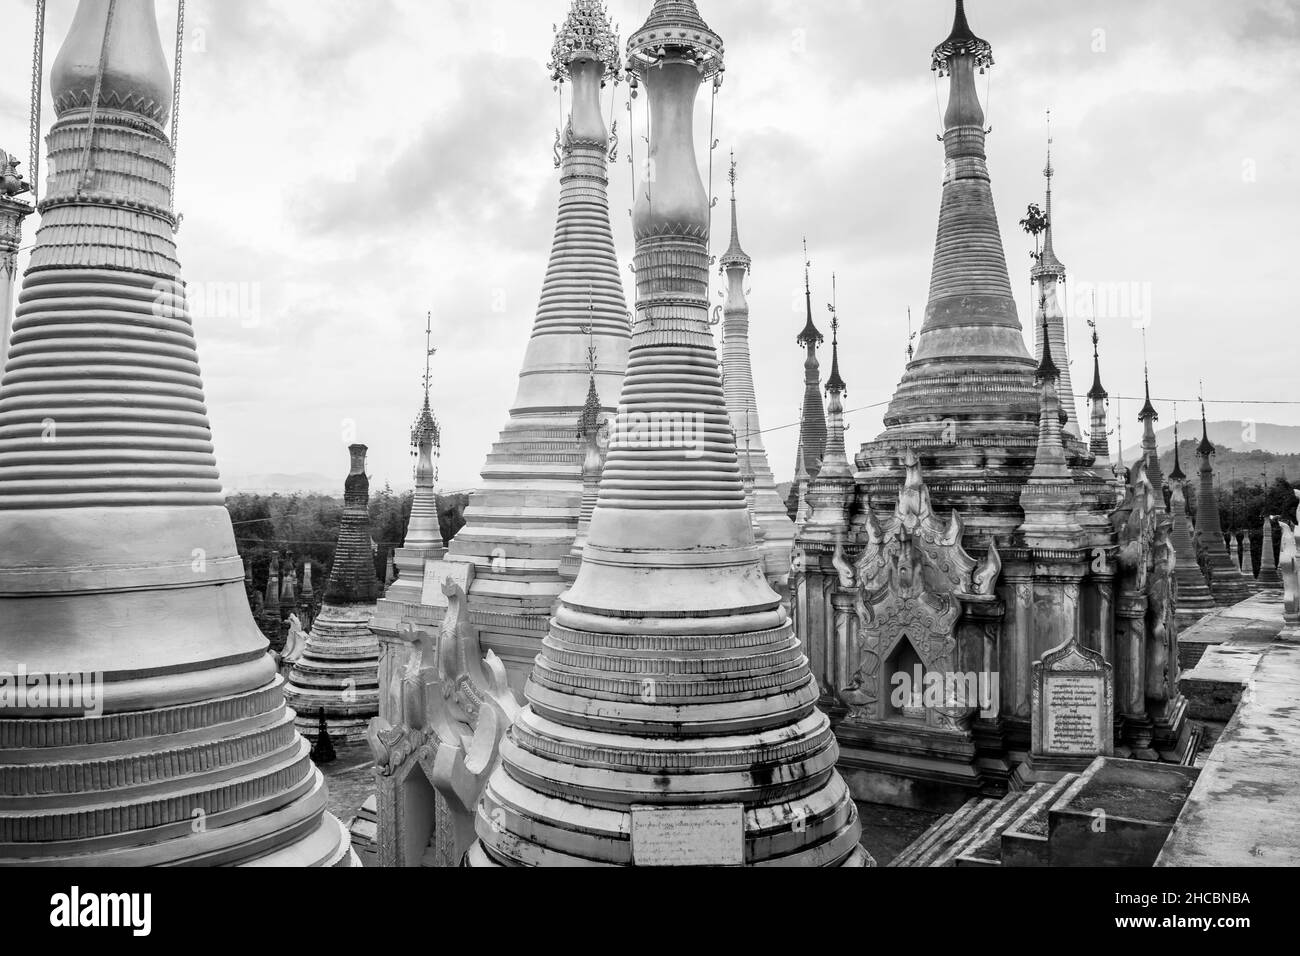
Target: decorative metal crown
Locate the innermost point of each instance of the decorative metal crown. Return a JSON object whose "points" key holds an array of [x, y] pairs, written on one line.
{"points": [[426, 429], [676, 29], [962, 41], [586, 34]]}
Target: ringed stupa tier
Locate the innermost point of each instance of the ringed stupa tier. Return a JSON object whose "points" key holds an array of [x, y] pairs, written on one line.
{"points": [[1226, 581], [671, 691], [742, 403], [1098, 403], [169, 741], [812, 417], [337, 674], [1048, 277], [1194, 598], [13, 211], [522, 520], [967, 403]]}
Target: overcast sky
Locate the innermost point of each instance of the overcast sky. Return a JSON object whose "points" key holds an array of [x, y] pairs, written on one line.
{"points": [[351, 166]]}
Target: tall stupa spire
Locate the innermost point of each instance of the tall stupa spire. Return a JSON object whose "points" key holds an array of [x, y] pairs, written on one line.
{"points": [[1226, 583], [742, 405], [1194, 598], [706, 703], [812, 422], [1099, 401], [521, 522], [971, 314], [1048, 276], [1150, 453], [422, 531], [968, 389], [836, 462], [118, 566], [338, 671]]}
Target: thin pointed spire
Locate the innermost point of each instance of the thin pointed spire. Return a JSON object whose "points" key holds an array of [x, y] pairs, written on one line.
{"points": [[1148, 410], [1098, 391], [1206, 447], [810, 336], [1177, 474], [735, 256], [1047, 369], [835, 383], [1048, 264]]}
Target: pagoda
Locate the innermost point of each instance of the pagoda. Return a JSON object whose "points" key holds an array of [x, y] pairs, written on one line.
{"points": [[742, 404], [812, 416], [521, 522], [337, 673], [671, 694], [1194, 598], [1048, 275], [1227, 584], [980, 532], [166, 739]]}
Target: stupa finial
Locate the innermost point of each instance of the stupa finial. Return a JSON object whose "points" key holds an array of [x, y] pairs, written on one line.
{"points": [[961, 42], [810, 336], [835, 383], [735, 256], [1206, 447], [1098, 391], [1177, 474], [1047, 369], [587, 33]]}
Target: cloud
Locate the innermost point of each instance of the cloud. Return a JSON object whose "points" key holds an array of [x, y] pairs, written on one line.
{"points": [[349, 168]]}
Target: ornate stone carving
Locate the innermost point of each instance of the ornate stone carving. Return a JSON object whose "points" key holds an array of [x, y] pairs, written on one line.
{"points": [[456, 708], [910, 579]]}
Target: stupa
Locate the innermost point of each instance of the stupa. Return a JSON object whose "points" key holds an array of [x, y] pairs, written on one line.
{"points": [[522, 520], [423, 541], [337, 672], [671, 695], [1226, 582], [1048, 276], [979, 534], [166, 740], [1270, 579], [738, 383], [1194, 598], [812, 417]]}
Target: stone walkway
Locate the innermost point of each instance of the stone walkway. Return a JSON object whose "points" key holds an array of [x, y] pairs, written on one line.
{"points": [[1244, 808]]}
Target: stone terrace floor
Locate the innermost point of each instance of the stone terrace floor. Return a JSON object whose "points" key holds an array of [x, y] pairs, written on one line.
{"points": [[1244, 808]]}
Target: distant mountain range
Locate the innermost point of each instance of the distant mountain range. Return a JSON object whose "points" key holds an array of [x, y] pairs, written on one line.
{"points": [[1237, 435]]}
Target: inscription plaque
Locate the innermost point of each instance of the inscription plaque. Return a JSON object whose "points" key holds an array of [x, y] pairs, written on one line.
{"points": [[688, 836], [1073, 705]]}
